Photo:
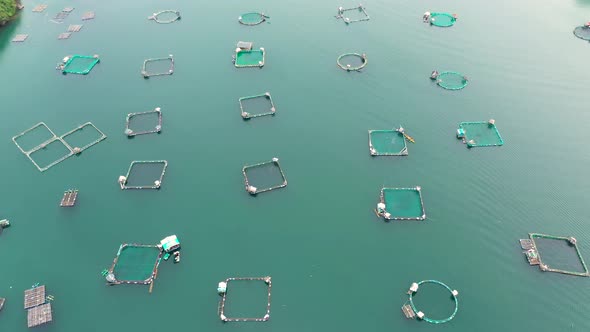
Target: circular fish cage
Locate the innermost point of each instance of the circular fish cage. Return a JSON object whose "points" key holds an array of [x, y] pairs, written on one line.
{"points": [[252, 18], [345, 61], [426, 318], [165, 16], [582, 32], [451, 80], [443, 20]]}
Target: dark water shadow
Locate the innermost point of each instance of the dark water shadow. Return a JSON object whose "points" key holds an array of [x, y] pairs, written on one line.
{"points": [[8, 31]]}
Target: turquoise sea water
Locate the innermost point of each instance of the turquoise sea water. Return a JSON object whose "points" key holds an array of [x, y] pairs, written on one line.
{"points": [[334, 265]]}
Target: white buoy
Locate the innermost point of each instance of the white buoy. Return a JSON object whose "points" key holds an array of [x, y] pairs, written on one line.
{"points": [[387, 215], [266, 317], [272, 110], [157, 183], [373, 151], [267, 280], [381, 206], [455, 292], [420, 315], [252, 190], [222, 287], [238, 49], [418, 188], [158, 128], [122, 179], [245, 115], [275, 159], [157, 109], [223, 318], [491, 122], [414, 287], [76, 150], [128, 132]]}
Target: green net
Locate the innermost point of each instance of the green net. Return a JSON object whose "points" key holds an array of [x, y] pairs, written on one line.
{"points": [[387, 143], [256, 106], [451, 80], [401, 204], [442, 19], [557, 254], [136, 263], [79, 64], [264, 177], [252, 18], [479, 134], [582, 32], [249, 58]]}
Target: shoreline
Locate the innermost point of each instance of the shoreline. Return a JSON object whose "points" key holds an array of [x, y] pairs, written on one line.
{"points": [[18, 8]]}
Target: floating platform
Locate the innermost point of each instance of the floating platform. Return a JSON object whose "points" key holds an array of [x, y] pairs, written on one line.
{"points": [[75, 27], [68, 9], [534, 256], [69, 198], [39, 315], [88, 16], [262, 110], [223, 292], [64, 35], [34, 296], [408, 311], [261, 171], [20, 38], [39, 8], [345, 14]]}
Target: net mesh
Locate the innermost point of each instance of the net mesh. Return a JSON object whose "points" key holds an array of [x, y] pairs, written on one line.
{"points": [[252, 18], [145, 174], [403, 203], [451, 80], [246, 298], [50, 154], [582, 32], [559, 254], [264, 177], [256, 106], [352, 61], [143, 123], [158, 66], [80, 64], [387, 143], [442, 19], [136, 263], [165, 16], [249, 58], [481, 134]]}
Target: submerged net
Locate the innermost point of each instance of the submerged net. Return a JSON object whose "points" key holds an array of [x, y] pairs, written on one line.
{"points": [[142, 123], [252, 18], [352, 61], [135, 264], [264, 177], [582, 32], [158, 66], [402, 204], [451, 80], [442, 19], [249, 58], [144, 174], [256, 106], [79, 64], [165, 16], [477, 134], [387, 143], [559, 254]]}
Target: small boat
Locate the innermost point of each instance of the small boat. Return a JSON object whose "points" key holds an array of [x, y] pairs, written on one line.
{"points": [[177, 257], [2, 300]]}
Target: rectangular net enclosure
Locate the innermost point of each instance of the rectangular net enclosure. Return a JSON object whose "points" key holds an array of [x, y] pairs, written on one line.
{"points": [[38, 134], [476, 134], [135, 264], [354, 14], [387, 143], [83, 137], [78, 64], [249, 58], [264, 177], [249, 312], [50, 154], [142, 123], [158, 66], [401, 204], [144, 174], [20, 38], [552, 253], [256, 106]]}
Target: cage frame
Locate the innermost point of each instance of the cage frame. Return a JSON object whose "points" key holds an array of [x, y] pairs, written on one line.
{"points": [[71, 58], [467, 141], [246, 115], [157, 129], [124, 185], [252, 190], [221, 309], [147, 281], [546, 268], [260, 64], [374, 152], [363, 58], [170, 71], [391, 215], [347, 20]]}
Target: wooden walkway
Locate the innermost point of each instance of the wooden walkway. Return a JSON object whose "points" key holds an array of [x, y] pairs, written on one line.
{"points": [[88, 16], [527, 244], [39, 315], [75, 27], [20, 38], [69, 198], [34, 296], [408, 311]]}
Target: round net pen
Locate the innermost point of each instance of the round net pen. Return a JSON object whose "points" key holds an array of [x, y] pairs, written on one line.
{"points": [[252, 18], [165, 16], [480, 134], [352, 61], [449, 80], [264, 177], [583, 31], [167, 64], [155, 127], [135, 264], [222, 290], [533, 254], [78, 64], [442, 20], [409, 308], [401, 204]]}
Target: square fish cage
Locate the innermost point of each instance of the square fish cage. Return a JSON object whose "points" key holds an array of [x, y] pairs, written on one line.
{"points": [[256, 106], [483, 133], [249, 58], [83, 137], [264, 177], [134, 264], [142, 123], [401, 204], [158, 66], [354, 14], [33, 137], [222, 290], [551, 253], [387, 143], [144, 174], [78, 64]]}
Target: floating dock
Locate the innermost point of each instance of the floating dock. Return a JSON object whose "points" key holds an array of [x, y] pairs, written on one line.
{"points": [[69, 198], [88, 16], [39, 8], [34, 297], [39, 315], [20, 38]]}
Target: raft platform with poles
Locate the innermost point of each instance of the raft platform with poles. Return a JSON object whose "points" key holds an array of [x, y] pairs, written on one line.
{"points": [[88, 16], [39, 8], [253, 190], [360, 8], [156, 129], [69, 198], [38, 311], [409, 308], [147, 74], [534, 256], [222, 290]]}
